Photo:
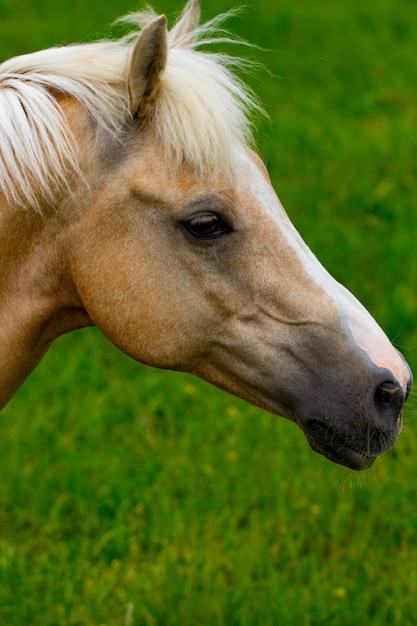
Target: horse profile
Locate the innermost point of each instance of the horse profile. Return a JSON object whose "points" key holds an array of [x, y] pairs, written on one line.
{"points": [[131, 200]]}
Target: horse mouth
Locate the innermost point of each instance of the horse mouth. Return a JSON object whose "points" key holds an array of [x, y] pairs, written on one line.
{"points": [[343, 455], [335, 447]]}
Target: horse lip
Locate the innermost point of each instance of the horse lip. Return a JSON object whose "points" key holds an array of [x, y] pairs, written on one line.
{"points": [[343, 455], [335, 447]]}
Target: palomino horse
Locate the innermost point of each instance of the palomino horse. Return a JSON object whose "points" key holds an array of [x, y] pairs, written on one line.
{"points": [[130, 200]]}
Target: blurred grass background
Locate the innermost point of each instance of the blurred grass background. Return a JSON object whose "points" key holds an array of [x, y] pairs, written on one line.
{"points": [[131, 496]]}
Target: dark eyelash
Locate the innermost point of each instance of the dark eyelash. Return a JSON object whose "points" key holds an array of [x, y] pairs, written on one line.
{"points": [[206, 226]]}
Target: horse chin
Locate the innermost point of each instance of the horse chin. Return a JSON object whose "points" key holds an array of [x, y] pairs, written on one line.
{"points": [[327, 442], [343, 455], [342, 450]]}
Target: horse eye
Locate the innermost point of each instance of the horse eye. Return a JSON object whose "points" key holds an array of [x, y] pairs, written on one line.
{"points": [[206, 226]]}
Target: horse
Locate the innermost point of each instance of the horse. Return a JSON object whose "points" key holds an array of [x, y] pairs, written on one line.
{"points": [[132, 199]]}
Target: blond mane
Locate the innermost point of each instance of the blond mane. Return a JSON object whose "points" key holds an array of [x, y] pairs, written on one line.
{"points": [[202, 108]]}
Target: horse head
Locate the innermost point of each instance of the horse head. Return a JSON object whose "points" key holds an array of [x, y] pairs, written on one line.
{"points": [[167, 234]]}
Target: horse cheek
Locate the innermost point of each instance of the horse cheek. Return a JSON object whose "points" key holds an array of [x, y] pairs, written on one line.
{"points": [[137, 304]]}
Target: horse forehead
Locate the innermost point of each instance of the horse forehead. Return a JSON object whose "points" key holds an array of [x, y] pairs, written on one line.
{"points": [[277, 235], [253, 185], [252, 180]]}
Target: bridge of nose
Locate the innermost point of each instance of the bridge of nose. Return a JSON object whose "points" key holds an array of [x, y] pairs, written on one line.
{"points": [[311, 290], [371, 339]]}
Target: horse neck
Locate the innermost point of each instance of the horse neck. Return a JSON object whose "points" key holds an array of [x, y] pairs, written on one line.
{"points": [[38, 301]]}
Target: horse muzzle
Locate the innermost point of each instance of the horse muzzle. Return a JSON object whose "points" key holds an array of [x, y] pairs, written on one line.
{"points": [[357, 443]]}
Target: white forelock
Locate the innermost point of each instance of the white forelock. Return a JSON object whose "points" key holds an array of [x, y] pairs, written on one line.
{"points": [[202, 108]]}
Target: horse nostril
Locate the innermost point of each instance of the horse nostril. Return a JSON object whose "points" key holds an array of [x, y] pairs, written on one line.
{"points": [[388, 400], [384, 393], [409, 385]]}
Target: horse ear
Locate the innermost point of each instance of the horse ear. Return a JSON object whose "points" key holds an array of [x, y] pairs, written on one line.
{"points": [[185, 30], [148, 61]]}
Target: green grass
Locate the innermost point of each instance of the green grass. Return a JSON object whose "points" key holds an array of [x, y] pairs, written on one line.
{"points": [[130, 496]]}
